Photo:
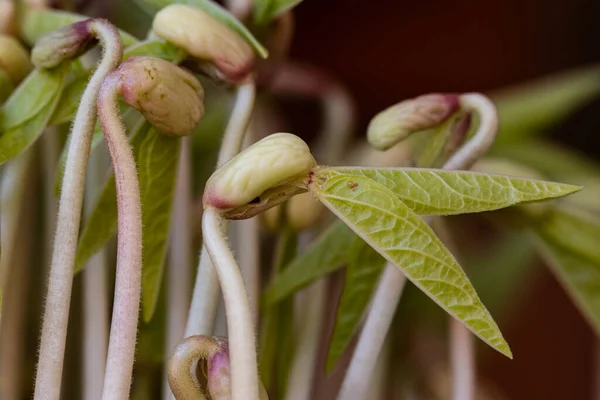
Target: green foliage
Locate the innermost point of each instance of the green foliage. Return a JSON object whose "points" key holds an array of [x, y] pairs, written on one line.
{"points": [[325, 255], [362, 274], [267, 10], [397, 233], [568, 242], [27, 111], [156, 156], [277, 334], [529, 108], [220, 14], [440, 192]]}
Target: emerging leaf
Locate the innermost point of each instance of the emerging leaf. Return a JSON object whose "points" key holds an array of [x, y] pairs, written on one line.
{"points": [[27, 111], [440, 192], [362, 274], [397, 233]]}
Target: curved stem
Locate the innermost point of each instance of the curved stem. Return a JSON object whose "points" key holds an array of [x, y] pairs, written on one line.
{"points": [[95, 300], [180, 364], [205, 298], [390, 286], [123, 330], [242, 346], [358, 377], [179, 271], [60, 280], [483, 138]]}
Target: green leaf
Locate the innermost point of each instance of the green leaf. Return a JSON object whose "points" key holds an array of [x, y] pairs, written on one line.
{"points": [[218, 12], [397, 233], [156, 156], [277, 330], [326, 254], [530, 107], [69, 101], [157, 159], [267, 10], [362, 274], [37, 22], [575, 264], [27, 111], [440, 192], [155, 48]]}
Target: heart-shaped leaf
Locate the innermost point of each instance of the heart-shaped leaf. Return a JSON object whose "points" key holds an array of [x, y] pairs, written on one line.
{"points": [[218, 12], [362, 274], [267, 10], [441, 192], [27, 111], [156, 156], [376, 214]]}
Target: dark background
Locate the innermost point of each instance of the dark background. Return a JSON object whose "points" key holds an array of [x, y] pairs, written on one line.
{"points": [[388, 50]]}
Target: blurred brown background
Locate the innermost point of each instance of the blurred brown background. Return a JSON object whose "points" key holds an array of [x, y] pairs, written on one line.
{"points": [[388, 50]]}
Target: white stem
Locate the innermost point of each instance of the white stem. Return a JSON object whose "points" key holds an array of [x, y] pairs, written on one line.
{"points": [[126, 305], [180, 260], [60, 280], [338, 122], [378, 382], [383, 307], [95, 300], [463, 361], [205, 298], [15, 237], [302, 371], [483, 139], [242, 346]]}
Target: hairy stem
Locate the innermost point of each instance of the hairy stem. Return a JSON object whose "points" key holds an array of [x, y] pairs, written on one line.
{"points": [[182, 362], [205, 298], [123, 330], [95, 301], [244, 366], [60, 280], [179, 271], [15, 237], [390, 286]]}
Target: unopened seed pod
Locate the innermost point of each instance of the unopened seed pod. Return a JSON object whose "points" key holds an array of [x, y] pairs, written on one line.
{"points": [[14, 59], [62, 44], [169, 97], [276, 158], [399, 121], [205, 38]]}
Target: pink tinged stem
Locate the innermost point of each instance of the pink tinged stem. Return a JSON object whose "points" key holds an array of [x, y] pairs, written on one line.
{"points": [[205, 298], [123, 330], [60, 280], [242, 346], [180, 366]]}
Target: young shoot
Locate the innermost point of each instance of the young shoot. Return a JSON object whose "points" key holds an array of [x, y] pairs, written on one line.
{"points": [[149, 85], [60, 279]]}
